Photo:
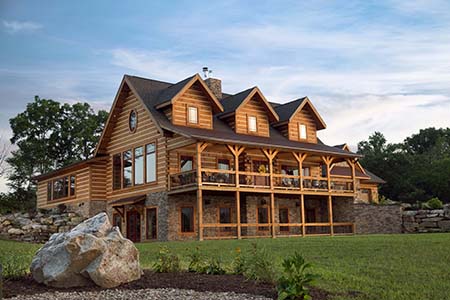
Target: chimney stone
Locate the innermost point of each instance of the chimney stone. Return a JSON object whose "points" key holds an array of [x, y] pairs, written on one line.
{"points": [[215, 85]]}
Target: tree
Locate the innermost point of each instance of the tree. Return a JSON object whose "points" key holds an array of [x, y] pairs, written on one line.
{"points": [[4, 152], [48, 136]]}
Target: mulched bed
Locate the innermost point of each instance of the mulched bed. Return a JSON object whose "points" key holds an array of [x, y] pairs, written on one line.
{"points": [[191, 281]]}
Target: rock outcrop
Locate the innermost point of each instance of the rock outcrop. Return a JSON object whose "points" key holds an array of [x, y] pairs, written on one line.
{"points": [[423, 221], [93, 251]]}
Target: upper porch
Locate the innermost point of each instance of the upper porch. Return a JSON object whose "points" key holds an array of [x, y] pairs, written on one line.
{"points": [[213, 166]]}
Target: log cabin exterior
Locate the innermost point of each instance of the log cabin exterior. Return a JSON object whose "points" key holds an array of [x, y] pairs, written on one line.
{"points": [[186, 161]]}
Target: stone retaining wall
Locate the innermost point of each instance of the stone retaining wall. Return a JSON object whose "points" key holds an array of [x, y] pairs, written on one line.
{"points": [[37, 228], [421, 221], [370, 219]]}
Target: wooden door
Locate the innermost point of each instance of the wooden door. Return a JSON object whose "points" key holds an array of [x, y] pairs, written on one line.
{"points": [[134, 226], [152, 224]]}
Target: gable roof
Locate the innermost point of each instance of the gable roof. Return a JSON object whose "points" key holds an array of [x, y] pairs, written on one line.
{"points": [[288, 110], [233, 103], [153, 93], [373, 178]]}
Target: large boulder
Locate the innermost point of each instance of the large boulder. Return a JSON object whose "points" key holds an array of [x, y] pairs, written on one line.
{"points": [[92, 251]]}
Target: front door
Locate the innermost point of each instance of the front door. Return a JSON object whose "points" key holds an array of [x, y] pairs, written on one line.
{"points": [[152, 224], [134, 226]]}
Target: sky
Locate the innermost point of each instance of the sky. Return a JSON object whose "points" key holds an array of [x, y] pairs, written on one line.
{"points": [[366, 65]]}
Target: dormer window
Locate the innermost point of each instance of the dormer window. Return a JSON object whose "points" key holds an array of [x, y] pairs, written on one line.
{"points": [[252, 124], [192, 115], [302, 131]]}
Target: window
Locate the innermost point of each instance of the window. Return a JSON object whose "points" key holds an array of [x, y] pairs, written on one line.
{"points": [[323, 169], [289, 170], [72, 185], [302, 131], [59, 188], [306, 172], [49, 191], [225, 217], [152, 224], [223, 164], [127, 168], [187, 219], [283, 218], [117, 221], [150, 162], [132, 121], [186, 163], [252, 124], [117, 171], [192, 115], [263, 217], [139, 165]]}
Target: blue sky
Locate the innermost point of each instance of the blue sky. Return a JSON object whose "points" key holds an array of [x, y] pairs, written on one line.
{"points": [[366, 65]]}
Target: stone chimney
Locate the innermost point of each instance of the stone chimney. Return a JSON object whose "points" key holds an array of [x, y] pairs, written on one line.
{"points": [[215, 85]]}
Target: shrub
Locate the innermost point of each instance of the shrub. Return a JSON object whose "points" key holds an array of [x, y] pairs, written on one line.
{"points": [[14, 266], [294, 283], [433, 203], [214, 267], [198, 264], [258, 265], [166, 261]]}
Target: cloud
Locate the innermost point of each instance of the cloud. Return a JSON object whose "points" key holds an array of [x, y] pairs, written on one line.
{"points": [[13, 27]]}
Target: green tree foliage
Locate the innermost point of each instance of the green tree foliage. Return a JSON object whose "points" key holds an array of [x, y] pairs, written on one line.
{"points": [[415, 170], [49, 135]]}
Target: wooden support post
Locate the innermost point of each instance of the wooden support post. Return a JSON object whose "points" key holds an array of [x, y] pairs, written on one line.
{"points": [[302, 208], [330, 214], [351, 163], [328, 160], [199, 149], [236, 151], [300, 157], [270, 154], [238, 214]]}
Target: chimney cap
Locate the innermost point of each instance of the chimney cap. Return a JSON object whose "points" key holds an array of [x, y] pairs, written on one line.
{"points": [[206, 72]]}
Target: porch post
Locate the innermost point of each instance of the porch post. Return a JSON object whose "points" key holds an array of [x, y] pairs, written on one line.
{"points": [[270, 154], [302, 208], [236, 151], [199, 147], [300, 157], [330, 214], [328, 160], [351, 162]]}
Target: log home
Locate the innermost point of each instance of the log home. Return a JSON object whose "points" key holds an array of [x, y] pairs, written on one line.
{"points": [[186, 161]]}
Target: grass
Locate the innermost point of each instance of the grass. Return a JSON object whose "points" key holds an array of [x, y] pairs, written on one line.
{"points": [[390, 267]]}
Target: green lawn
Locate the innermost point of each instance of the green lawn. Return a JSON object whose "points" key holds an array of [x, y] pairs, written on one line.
{"points": [[370, 267]]}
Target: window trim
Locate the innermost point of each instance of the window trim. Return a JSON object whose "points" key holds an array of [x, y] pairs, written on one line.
{"points": [[180, 228], [248, 124], [143, 165], [188, 118], [129, 120], [300, 131]]}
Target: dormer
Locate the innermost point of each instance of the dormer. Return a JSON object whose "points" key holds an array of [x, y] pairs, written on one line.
{"points": [[190, 103], [299, 121], [249, 112]]}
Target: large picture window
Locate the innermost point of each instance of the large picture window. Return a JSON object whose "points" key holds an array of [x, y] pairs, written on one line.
{"points": [[150, 158], [187, 219], [60, 188], [138, 165], [127, 168]]}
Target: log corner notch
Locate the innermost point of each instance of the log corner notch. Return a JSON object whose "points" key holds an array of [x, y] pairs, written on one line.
{"points": [[200, 147]]}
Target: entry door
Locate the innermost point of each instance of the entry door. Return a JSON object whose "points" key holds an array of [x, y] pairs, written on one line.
{"points": [[152, 224], [134, 226]]}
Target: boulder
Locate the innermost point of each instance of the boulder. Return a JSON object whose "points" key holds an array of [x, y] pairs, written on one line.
{"points": [[92, 251]]}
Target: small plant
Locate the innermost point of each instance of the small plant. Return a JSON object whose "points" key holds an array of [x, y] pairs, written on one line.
{"points": [[166, 262], [196, 264], [214, 267], [433, 203], [293, 285], [14, 266], [259, 266], [238, 263]]}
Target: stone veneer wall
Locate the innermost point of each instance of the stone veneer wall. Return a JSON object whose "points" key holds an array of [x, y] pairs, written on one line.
{"points": [[37, 228], [371, 219], [421, 221]]}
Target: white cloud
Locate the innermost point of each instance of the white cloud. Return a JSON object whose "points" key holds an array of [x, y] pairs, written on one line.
{"points": [[16, 26]]}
